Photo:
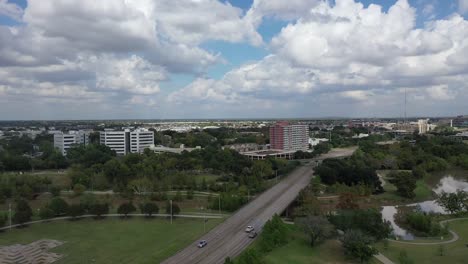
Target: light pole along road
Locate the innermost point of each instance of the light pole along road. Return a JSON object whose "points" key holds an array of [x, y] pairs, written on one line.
{"points": [[229, 238]]}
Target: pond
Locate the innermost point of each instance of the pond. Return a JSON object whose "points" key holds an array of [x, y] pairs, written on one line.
{"points": [[449, 183]]}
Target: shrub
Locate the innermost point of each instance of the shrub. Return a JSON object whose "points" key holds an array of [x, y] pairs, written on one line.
{"points": [[58, 206], [46, 213], [23, 212], [126, 208], [75, 210], [79, 189], [99, 209], [149, 208], [55, 191]]}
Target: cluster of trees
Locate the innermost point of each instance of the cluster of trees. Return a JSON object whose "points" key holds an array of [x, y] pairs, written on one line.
{"points": [[58, 207], [421, 155], [421, 224], [356, 170], [405, 183], [22, 186], [454, 203], [211, 137], [368, 221], [22, 153]]}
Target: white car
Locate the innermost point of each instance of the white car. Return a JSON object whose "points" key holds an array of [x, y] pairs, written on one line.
{"points": [[202, 243], [249, 229]]}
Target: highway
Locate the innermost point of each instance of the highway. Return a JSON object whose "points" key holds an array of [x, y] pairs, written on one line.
{"points": [[229, 238]]}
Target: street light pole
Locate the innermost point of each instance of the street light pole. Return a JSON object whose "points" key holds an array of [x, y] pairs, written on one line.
{"points": [[219, 203], [171, 210], [9, 212], [204, 220]]}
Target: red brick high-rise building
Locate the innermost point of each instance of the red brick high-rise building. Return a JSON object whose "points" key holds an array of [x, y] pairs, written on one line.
{"points": [[284, 136]]}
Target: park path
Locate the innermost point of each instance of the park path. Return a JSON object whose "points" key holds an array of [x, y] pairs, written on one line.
{"points": [[383, 259], [455, 236], [205, 216]]}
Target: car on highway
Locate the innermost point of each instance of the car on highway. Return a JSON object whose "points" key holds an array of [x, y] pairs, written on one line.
{"points": [[249, 229], [252, 234], [202, 243]]}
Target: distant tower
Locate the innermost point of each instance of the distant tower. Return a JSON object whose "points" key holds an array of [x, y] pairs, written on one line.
{"points": [[405, 107]]}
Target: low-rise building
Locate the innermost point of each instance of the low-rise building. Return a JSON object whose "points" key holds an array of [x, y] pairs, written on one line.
{"points": [[64, 141], [127, 141]]}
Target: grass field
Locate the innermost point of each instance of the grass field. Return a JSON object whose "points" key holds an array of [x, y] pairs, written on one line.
{"points": [[298, 251], [456, 252], [114, 240]]}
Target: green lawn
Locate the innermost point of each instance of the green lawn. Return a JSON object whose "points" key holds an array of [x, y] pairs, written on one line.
{"points": [[114, 240], [208, 178], [298, 251], [456, 252]]}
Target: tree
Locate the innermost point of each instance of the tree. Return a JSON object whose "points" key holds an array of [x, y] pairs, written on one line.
{"points": [[58, 206], [403, 258], [358, 245], [316, 227], [23, 212], [250, 256], [78, 189], [175, 208], [453, 203], [55, 191], [141, 186], [347, 201], [273, 234], [46, 213], [3, 220], [149, 208], [189, 194], [178, 197], [99, 209], [368, 221], [75, 210], [126, 208], [405, 183]]}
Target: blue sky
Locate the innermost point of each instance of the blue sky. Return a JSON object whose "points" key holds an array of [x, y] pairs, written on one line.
{"points": [[210, 59]]}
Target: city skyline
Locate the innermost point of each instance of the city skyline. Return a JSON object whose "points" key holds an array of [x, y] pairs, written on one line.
{"points": [[232, 59]]}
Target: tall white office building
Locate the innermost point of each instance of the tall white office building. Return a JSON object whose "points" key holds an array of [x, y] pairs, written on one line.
{"points": [[140, 139], [127, 141], [115, 140], [64, 141]]}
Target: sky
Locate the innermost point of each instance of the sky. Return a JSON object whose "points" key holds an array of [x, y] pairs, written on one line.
{"points": [[165, 59]]}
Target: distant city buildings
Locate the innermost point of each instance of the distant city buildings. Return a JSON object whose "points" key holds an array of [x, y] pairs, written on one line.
{"points": [[179, 150], [423, 126], [460, 121], [127, 141], [64, 141], [288, 137]]}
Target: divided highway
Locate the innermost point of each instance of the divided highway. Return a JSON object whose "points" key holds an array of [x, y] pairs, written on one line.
{"points": [[229, 239]]}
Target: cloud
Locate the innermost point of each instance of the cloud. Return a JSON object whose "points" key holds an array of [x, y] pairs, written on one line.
{"points": [[10, 10], [463, 6], [348, 53], [204, 20], [279, 9]]}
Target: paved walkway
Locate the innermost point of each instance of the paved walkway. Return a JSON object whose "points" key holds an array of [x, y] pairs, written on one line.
{"points": [[383, 259], [207, 216]]}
